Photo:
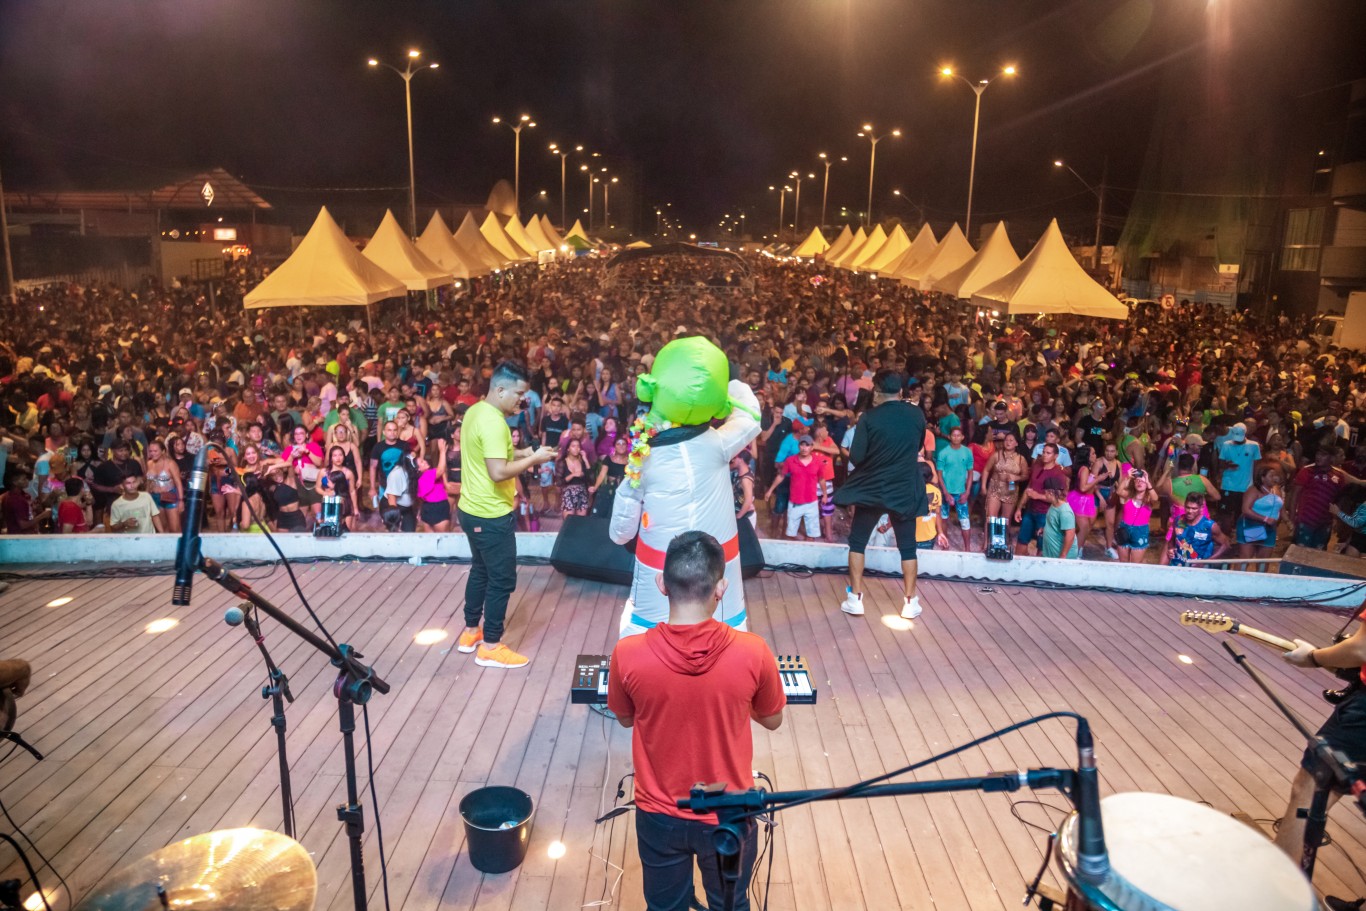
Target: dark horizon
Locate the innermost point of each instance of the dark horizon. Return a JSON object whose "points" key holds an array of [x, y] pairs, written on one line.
{"points": [[702, 105]]}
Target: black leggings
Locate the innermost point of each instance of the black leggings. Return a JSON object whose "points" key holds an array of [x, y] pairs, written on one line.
{"points": [[865, 520]]}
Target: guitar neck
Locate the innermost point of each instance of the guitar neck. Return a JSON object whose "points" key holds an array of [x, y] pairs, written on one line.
{"points": [[1284, 645]]}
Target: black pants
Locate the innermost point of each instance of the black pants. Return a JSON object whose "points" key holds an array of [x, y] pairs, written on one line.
{"points": [[493, 572], [667, 846], [865, 520], [1344, 730]]}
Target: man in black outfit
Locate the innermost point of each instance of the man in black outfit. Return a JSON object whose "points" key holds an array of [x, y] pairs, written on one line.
{"points": [[1000, 423], [885, 478]]}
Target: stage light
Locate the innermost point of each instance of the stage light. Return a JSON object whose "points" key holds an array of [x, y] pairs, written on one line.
{"points": [[897, 622], [1185, 659], [556, 850], [162, 625], [430, 636], [59, 602]]}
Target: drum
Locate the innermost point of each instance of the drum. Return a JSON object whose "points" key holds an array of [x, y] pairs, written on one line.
{"points": [[1171, 854]]}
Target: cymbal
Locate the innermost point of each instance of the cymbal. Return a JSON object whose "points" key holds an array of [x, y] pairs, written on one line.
{"points": [[239, 869]]}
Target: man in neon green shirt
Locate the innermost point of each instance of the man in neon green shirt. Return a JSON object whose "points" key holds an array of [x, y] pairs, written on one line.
{"points": [[487, 496]]}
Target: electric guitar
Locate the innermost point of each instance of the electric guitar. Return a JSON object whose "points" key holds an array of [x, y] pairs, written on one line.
{"points": [[1223, 623]]}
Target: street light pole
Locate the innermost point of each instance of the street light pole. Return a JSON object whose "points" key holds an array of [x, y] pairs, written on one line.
{"points": [[564, 157], [825, 194], [524, 121], [978, 88], [867, 133], [407, 74], [782, 200], [1099, 192], [607, 201], [586, 171]]}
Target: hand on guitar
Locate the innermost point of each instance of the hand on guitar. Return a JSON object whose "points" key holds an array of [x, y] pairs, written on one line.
{"points": [[1302, 655]]}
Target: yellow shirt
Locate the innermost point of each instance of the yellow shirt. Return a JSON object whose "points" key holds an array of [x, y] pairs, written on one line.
{"points": [[484, 434], [925, 527]]}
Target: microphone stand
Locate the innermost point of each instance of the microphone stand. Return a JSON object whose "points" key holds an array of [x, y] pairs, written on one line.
{"points": [[734, 808], [354, 685], [1332, 770], [277, 691]]}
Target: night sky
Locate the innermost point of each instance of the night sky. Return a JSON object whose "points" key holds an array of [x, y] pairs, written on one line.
{"points": [[701, 104]]}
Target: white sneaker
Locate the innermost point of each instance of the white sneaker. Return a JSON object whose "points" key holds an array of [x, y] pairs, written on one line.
{"points": [[1112, 553], [911, 608], [852, 604]]}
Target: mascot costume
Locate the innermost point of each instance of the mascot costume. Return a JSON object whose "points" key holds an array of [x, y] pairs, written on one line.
{"points": [[678, 473]]}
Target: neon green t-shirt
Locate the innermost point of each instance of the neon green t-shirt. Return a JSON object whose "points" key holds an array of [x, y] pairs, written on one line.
{"points": [[485, 434]]}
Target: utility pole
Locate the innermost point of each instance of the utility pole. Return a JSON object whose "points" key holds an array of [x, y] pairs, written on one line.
{"points": [[9, 262]]}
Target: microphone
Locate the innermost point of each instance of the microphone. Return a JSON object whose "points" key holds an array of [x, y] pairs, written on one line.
{"points": [[1093, 862], [187, 551]]}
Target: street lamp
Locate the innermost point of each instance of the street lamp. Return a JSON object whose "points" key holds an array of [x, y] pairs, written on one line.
{"points": [[1099, 191], [782, 201], [589, 174], [523, 121], [978, 88], [867, 133], [797, 200], [827, 160], [411, 69], [564, 155], [607, 200]]}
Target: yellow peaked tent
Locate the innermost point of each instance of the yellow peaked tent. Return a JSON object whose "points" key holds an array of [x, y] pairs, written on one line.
{"points": [[437, 244], [854, 263], [897, 243], [577, 231], [325, 270], [922, 246], [850, 249], [475, 247], [494, 234], [538, 237], [952, 252], [551, 234], [517, 234], [392, 251], [996, 258], [1050, 280], [840, 243], [814, 245], [638, 245]]}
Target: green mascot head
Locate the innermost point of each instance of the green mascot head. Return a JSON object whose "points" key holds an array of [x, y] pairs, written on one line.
{"points": [[687, 383]]}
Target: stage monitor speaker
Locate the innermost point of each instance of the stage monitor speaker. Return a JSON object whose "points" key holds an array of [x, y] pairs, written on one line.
{"points": [[584, 551], [751, 552], [1306, 561]]}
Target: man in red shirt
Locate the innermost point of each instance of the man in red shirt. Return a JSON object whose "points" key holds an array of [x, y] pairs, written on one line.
{"points": [[806, 494], [689, 688], [1316, 488]]}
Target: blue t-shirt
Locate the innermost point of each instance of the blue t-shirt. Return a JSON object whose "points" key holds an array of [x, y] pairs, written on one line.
{"points": [[955, 466], [1243, 456]]}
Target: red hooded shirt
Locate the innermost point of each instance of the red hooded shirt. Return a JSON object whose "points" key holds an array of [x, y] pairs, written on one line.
{"points": [[691, 690]]}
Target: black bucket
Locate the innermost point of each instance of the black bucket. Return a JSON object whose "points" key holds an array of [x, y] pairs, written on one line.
{"points": [[497, 827]]}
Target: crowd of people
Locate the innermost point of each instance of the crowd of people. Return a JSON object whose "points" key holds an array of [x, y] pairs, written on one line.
{"points": [[1182, 434]]}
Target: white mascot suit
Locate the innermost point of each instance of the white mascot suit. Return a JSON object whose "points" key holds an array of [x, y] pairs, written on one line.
{"points": [[678, 473]]}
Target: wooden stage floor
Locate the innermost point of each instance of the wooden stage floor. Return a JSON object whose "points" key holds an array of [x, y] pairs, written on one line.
{"points": [[152, 738]]}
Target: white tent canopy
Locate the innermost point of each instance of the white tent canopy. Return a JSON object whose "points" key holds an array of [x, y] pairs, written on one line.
{"points": [[517, 234], [551, 234], [475, 247], [922, 246], [538, 236], [845, 238], [325, 270], [814, 245], [854, 262], [437, 244], [493, 232], [1050, 280], [996, 258], [897, 243], [392, 251], [850, 249], [952, 252]]}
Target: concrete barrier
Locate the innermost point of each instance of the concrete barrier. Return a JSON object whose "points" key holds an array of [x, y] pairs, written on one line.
{"points": [[50, 550]]}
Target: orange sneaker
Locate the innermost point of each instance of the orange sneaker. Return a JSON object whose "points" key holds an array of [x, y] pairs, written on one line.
{"points": [[499, 655], [469, 641]]}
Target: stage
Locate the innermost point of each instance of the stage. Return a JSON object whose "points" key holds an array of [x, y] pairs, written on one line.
{"points": [[154, 737]]}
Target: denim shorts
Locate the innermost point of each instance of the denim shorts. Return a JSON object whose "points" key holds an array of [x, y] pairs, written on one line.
{"points": [[1031, 526], [1132, 536]]}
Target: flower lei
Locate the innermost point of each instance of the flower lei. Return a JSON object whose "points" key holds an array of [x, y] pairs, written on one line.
{"points": [[641, 433]]}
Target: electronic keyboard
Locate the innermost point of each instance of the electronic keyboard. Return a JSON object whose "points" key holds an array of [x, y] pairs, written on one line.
{"points": [[591, 673]]}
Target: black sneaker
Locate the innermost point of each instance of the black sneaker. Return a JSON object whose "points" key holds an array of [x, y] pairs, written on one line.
{"points": [[1333, 903]]}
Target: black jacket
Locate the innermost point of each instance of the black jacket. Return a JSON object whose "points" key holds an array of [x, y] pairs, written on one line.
{"points": [[885, 454]]}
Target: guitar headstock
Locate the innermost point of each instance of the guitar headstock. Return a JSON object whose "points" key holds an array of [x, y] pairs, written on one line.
{"points": [[1209, 621]]}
